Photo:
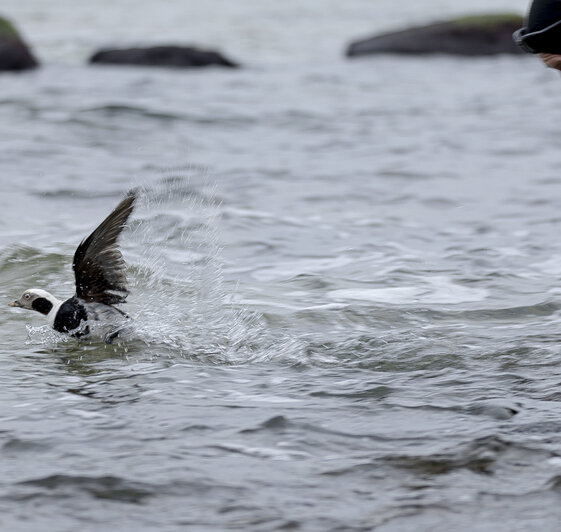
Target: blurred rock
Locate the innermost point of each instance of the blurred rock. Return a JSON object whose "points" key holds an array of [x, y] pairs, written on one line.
{"points": [[167, 56], [475, 35], [14, 53]]}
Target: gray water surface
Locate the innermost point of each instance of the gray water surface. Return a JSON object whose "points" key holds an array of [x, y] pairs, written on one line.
{"points": [[345, 281]]}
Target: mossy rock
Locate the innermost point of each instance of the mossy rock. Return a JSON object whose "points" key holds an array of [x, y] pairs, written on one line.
{"points": [[490, 20], [14, 53], [471, 35]]}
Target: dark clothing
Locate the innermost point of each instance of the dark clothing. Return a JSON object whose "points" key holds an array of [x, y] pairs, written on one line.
{"points": [[543, 13], [542, 33]]}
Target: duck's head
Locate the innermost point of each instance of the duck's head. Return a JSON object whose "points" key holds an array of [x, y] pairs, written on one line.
{"points": [[36, 299]]}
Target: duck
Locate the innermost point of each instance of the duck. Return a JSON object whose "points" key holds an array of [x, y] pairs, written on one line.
{"points": [[101, 284]]}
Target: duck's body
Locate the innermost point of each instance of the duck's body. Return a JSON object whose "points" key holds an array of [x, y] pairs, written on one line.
{"points": [[100, 284], [79, 318]]}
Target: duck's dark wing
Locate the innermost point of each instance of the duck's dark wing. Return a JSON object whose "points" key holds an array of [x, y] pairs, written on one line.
{"points": [[98, 264]]}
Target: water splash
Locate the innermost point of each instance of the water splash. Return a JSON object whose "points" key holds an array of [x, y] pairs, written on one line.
{"points": [[179, 303], [179, 299], [45, 335]]}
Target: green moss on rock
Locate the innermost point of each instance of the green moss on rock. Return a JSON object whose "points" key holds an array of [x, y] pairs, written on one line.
{"points": [[7, 29], [488, 20]]}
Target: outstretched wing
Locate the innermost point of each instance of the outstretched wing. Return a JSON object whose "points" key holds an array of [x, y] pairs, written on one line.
{"points": [[98, 264]]}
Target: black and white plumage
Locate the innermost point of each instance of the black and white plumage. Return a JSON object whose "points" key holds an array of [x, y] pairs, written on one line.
{"points": [[101, 283]]}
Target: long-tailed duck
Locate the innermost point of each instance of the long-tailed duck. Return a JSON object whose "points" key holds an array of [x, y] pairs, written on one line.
{"points": [[101, 283]]}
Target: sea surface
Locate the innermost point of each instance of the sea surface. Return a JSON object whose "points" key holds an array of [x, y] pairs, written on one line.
{"points": [[345, 277]]}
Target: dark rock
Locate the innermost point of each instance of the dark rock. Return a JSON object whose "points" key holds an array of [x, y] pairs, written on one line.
{"points": [[168, 56], [14, 53], [471, 36]]}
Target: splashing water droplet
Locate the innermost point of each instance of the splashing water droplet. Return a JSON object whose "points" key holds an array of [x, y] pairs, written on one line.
{"points": [[179, 299], [179, 303]]}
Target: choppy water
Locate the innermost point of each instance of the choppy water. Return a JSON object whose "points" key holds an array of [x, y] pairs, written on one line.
{"points": [[345, 279]]}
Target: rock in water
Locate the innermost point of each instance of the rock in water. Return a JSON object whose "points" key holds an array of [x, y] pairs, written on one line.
{"points": [[471, 36], [14, 53], [168, 56]]}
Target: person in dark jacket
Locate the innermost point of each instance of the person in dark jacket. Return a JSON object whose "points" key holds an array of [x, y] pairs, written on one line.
{"points": [[542, 32]]}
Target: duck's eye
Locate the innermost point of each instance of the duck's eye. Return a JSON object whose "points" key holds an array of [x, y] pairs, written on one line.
{"points": [[27, 296]]}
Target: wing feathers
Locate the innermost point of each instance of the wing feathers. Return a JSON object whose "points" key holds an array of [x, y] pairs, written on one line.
{"points": [[98, 264]]}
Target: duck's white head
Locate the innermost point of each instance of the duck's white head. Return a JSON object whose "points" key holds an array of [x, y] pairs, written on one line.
{"points": [[36, 299]]}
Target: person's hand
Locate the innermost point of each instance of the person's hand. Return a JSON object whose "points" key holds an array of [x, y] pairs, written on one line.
{"points": [[551, 60]]}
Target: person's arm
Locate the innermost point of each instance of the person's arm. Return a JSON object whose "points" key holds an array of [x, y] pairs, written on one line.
{"points": [[551, 60]]}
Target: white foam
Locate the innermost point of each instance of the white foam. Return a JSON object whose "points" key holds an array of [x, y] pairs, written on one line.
{"points": [[551, 266], [432, 290], [288, 270], [185, 304]]}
